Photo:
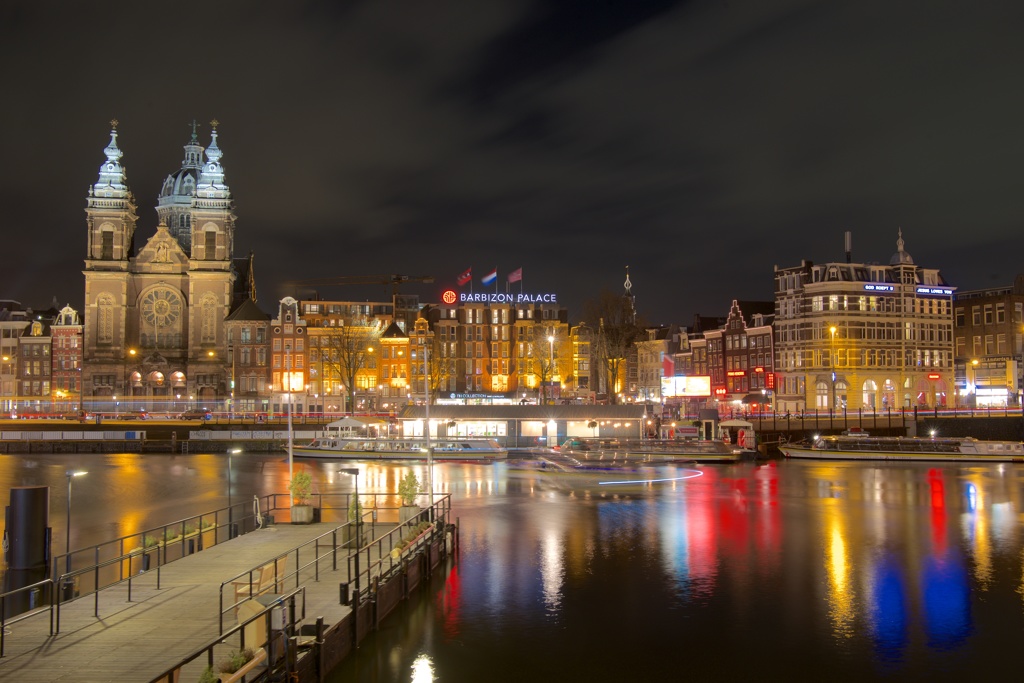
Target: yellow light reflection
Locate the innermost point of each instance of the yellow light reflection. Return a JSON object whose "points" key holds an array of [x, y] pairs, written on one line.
{"points": [[422, 670], [841, 598]]}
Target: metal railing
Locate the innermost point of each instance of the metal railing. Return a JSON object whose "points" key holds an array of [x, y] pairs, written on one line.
{"points": [[294, 617], [37, 586], [165, 543], [386, 562]]}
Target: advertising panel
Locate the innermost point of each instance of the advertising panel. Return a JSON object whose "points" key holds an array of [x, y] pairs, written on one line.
{"points": [[697, 386]]}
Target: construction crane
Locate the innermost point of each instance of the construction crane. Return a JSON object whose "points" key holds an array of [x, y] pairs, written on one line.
{"points": [[394, 280]]}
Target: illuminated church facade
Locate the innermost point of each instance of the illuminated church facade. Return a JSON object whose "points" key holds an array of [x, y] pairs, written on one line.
{"points": [[154, 317]]}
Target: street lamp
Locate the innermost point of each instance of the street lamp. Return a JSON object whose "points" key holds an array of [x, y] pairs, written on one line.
{"points": [[288, 379], [551, 360], [832, 364], [231, 451], [70, 474], [359, 537], [124, 376]]}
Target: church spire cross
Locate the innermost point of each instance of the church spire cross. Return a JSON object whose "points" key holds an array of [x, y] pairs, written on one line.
{"points": [[113, 124], [194, 138]]}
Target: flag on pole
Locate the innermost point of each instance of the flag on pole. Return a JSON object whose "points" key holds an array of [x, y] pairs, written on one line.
{"points": [[490, 277], [515, 275], [668, 366], [465, 277]]}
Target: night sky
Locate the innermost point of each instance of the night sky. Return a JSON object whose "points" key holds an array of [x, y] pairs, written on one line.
{"points": [[699, 143]]}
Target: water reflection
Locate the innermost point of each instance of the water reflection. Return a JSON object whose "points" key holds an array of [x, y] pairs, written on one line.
{"points": [[858, 570]]}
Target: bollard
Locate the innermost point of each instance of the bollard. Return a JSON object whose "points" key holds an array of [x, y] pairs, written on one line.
{"points": [[232, 530], [343, 598]]}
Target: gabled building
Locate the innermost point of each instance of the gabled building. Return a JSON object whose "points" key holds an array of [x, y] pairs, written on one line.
{"points": [[66, 357], [247, 330]]}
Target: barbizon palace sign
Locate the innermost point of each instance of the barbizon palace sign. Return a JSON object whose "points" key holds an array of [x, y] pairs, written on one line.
{"points": [[450, 297]]}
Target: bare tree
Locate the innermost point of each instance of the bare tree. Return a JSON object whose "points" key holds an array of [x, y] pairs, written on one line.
{"points": [[346, 353], [617, 329]]}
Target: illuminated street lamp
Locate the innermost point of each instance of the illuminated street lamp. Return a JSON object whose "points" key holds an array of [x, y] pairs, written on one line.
{"points": [[551, 360], [231, 527], [70, 474], [832, 363]]}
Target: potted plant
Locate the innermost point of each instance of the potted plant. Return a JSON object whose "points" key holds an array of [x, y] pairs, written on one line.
{"points": [[355, 531], [239, 663], [300, 487], [408, 489]]}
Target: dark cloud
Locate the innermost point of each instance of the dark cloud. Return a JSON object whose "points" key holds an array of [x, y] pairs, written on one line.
{"points": [[698, 142]]}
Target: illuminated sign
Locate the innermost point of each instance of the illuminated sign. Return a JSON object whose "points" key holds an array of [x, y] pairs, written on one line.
{"points": [[941, 291], [449, 296], [686, 387], [498, 298], [736, 373], [720, 391], [934, 375], [880, 288], [770, 380], [759, 369]]}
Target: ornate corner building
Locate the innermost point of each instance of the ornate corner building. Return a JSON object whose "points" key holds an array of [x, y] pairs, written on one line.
{"points": [[154, 318]]}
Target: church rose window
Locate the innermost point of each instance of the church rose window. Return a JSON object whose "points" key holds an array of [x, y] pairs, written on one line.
{"points": [[161, 307]]}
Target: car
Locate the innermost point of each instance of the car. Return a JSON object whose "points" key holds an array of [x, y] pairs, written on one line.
{"points": [[196, 414]]}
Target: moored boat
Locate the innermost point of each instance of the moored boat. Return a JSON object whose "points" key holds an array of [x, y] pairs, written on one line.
{"points": [[651, 449], [862, 447], [400, 449]]}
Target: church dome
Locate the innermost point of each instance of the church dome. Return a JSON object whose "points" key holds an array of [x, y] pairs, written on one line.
{"points": [[901, 257], [181, 184]]}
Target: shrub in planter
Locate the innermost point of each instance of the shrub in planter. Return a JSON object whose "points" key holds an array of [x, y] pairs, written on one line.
{"points": [[408, 489], [209, 676], [300, 487], [236, 660]]}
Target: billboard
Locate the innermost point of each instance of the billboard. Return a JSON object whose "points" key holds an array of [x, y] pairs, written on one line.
{"points": [[698, 386]]}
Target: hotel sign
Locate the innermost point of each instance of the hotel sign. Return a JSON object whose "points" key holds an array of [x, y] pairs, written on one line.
{"points": [[450, 296]]}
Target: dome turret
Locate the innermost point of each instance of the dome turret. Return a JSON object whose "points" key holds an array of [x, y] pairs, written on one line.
{"points": [[175, 199], [901, 257]]}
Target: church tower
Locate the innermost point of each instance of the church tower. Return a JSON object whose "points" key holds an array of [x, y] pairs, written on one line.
{"points": [[110, 219]]}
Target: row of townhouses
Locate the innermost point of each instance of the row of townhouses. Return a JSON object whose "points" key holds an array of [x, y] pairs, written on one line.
{"points": [[171, 322]]}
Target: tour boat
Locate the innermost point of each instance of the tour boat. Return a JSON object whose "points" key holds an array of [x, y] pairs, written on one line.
{"points": [[361, 448], [860, 447], [651, 449]]}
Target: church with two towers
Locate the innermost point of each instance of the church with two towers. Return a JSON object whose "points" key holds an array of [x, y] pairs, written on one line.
{"points": [[154, 316]]}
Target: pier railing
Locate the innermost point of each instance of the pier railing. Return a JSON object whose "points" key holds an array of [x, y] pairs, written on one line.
{"points": [[162, 544], [290, 606], [41, 589], [302, 563]]}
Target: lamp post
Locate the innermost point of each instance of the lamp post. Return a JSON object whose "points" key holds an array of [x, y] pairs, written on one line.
{"points": [[130, 353], [426, 424], [288, 378], [3, 382], [832, 365], [551, 362], [359, 537], [231, 526], [70, 474]]}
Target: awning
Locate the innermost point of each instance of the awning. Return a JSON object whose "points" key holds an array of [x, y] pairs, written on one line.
{"points": [[762, 399]]}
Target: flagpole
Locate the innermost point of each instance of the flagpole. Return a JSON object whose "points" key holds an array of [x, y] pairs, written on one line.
{"points": [[495, 279]]}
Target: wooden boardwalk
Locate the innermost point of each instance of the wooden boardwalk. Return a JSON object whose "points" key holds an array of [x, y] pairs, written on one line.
{"points": [[138, 640]]}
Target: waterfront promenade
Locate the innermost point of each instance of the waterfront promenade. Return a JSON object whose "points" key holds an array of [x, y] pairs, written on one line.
{"points": [[138, 640]]}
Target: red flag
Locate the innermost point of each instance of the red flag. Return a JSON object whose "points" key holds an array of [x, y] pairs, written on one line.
{"points": [[515, 275], [465, 277], [668, 366]]}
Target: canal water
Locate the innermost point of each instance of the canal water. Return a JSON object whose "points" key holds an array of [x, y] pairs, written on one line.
{"points": [[792, 570]]}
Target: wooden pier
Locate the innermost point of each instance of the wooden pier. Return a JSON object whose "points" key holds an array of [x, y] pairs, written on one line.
{"points": [[139, 640]]}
